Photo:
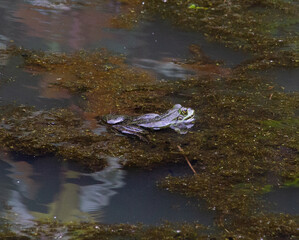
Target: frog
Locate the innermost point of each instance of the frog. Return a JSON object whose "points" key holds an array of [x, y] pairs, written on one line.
{"points": [[178, 118]]}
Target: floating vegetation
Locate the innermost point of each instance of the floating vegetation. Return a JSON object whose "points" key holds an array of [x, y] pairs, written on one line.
{"points": [[101, 78], [249, 25], [245, 128], [49, 132], [244, 142], [282, 59], [263, 28], [53, 230], [235, 150], [271, 226]]}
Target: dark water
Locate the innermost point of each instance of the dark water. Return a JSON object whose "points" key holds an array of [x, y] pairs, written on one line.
{"points": [[44, 187], [289, 78], [25, 88], [284, 200]]}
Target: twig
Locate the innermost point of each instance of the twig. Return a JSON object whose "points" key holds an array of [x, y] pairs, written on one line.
{"points": [[182, 151]]}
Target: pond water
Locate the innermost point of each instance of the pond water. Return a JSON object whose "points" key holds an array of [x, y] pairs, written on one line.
{"points": [[288, 79], [46, 187]]}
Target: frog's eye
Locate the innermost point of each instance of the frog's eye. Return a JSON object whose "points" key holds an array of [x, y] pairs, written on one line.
{"points": [[184, 112]]}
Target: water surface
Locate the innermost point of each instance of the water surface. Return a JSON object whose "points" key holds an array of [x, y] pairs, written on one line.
{"points": [[34, 187], [45, 187]]}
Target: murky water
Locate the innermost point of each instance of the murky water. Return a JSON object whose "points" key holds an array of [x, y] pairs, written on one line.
{"points": [[45, 187], [25, 88], [286, 78]]}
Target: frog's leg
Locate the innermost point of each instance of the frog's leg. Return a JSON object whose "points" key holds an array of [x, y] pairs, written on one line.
{"points": [[129, 129], [181, 128], [114, 119], [189, 125], [132, 130]]}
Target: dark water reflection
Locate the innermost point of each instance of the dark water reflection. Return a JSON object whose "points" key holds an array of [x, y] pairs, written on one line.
{"points": [[154, 46], [287, 78], [43, 187], [284, 200], [24, 88], [47, 26]]}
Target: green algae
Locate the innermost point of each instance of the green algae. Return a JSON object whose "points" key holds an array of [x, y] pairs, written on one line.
{"points": [[292, 183], [266, 226]]}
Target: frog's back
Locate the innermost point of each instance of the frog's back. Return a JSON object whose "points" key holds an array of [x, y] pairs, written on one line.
{"points": [[148, 116]]}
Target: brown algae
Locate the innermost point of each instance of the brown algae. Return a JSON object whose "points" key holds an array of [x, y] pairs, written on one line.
{"points": [[246, 133], [245, 140]]}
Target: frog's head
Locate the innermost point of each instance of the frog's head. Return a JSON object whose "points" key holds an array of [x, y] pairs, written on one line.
{"points": [[184, 115]]}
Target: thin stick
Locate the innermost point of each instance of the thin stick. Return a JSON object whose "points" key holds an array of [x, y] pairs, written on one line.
{"points": [[182, 151]]}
